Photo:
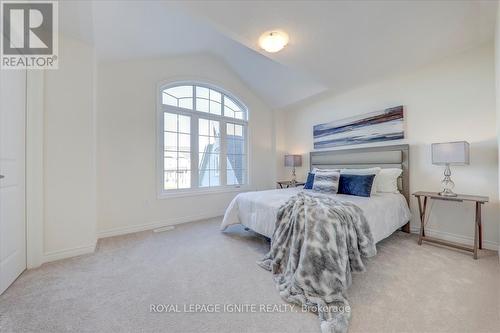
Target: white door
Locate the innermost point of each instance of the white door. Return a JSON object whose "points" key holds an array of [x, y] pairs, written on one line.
{"points": [[12, 171]]}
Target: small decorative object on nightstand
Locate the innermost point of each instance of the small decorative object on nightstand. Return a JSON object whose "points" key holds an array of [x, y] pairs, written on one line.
{"points": [[478, 235], [293, 161], [449, 153], [288, 184]]}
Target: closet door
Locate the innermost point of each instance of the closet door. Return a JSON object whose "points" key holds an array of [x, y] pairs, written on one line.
{"points": [[12, 176]]}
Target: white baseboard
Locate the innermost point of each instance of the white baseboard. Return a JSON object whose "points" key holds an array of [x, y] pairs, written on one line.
{"points": [[489, 245], [68, 253], [153, 225], [81, 250], [78, 251]]}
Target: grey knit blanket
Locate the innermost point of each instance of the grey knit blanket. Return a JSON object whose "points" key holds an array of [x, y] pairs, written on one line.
{"points": [[318, 241]]}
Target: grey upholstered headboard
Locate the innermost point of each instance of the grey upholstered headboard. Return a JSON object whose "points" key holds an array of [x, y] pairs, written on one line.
{"points": [[397, 156]]}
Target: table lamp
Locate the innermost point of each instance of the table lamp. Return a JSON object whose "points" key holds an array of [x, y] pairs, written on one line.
{"points": [[293, 161], [449, 153]]}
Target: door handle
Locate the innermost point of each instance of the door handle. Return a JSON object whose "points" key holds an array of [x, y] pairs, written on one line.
{"points": [[2, 176]]}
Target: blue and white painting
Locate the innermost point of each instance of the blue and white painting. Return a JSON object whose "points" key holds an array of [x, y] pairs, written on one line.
{"points": [[385, 125]]}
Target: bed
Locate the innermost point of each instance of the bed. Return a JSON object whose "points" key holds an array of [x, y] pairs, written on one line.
{"points": [[385, 212]]}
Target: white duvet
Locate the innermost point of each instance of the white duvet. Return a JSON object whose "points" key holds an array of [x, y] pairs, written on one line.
{"points": [[385, 212]]}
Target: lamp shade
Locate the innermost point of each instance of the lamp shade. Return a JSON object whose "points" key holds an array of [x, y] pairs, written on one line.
{"points": [[293, 160], [452, 153]]}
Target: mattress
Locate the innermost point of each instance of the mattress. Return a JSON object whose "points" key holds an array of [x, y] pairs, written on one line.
{"points": [[384, 212]]}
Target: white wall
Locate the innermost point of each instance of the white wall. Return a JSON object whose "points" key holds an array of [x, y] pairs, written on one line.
{"points": [[497, 90], [281, 146], [127, 195], [450, 100], [69, 153]]}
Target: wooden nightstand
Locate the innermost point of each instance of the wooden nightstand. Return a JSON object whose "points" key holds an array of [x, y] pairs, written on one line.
{"points": [[288, 183], [478, 237]]}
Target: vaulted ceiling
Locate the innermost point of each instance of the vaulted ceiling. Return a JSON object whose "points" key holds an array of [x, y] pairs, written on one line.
{"points": [[334, 45]]}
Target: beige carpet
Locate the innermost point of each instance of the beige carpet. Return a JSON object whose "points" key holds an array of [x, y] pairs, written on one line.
{"points": [[407, 288]]}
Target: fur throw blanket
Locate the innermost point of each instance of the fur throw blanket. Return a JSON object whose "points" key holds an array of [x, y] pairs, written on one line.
{"points": [[317, 243]]}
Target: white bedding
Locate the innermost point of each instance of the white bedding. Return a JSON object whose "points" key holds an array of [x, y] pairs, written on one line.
{"points": [[385, 212]]}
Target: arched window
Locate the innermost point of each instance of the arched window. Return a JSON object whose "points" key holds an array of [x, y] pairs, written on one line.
{"points": [[203, 138]]}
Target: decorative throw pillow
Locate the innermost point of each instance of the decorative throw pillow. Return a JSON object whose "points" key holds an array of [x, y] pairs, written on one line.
{"points": [[310, 180], [369, 171], [327, 182], [358, 185], [387, 180]]}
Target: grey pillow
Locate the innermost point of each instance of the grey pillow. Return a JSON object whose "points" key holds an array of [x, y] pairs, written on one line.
{"points": [[326, 181]]}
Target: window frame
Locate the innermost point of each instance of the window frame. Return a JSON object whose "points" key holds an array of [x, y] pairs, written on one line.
{"points": [[194, 116]]}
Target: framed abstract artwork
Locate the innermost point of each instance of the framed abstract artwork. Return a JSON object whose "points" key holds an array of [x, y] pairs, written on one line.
{"points": [[384, 125]]}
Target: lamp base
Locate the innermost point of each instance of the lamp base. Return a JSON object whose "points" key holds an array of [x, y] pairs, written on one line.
{"points": [[447, 193], [447, 183]]}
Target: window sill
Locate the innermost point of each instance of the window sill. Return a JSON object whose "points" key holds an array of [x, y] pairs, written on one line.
{"points": [[198, 192]]}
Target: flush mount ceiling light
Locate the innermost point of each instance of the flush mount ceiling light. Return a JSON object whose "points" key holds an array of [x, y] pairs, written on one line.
{"points": [[273, 41]]}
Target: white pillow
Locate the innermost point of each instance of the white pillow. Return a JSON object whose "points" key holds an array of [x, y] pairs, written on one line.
{"points": [[369, 171], [324, 170], [387, 181]]}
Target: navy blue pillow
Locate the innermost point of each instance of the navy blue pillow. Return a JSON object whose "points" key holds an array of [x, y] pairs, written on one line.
{"points": [[358, 185], [310, 181]]}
